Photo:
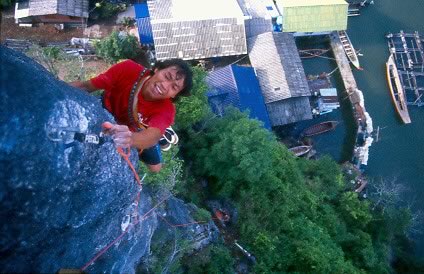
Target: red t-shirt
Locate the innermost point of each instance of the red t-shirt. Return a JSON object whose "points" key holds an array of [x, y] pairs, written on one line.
{"points": [[118, 82]]}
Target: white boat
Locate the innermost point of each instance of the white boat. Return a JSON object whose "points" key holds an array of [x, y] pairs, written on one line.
{"points": [[348, 48], [300, 150]]}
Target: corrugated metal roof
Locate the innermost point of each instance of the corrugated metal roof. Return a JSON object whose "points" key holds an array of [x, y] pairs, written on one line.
{"points": [[141, 10], [192, 10], [237, 86], [202, 33], [250, 94], [298, 3], [63, 7], [259, 14], [328, 91], [289, 111], [259, 8], [278, 65]]}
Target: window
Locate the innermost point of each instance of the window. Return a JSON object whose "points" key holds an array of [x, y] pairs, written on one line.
{"points": [[23, 5]]}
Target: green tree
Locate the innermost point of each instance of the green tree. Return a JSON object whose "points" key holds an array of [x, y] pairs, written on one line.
{"points": [[193, 109], [6, 3], [117, 46], [294, 214], [171, 172], [215, 258]]}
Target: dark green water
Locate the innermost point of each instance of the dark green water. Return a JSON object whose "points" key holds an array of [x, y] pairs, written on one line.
{"points": [[400, 151]]}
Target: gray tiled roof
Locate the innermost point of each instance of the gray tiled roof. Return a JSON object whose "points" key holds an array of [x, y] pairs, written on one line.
{"points": [[198, 31], [278, 65], [77, 8], [289, 111], [258, 17]]}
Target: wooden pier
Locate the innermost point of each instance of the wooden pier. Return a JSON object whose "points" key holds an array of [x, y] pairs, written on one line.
{"points": [[362, 118], [345, 70], [408, 51]]}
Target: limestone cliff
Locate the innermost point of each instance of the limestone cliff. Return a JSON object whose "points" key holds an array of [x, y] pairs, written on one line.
{"points": [[62, 201]]}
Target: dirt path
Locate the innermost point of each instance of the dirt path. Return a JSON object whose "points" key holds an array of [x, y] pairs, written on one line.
{"points": [[43, 34]]}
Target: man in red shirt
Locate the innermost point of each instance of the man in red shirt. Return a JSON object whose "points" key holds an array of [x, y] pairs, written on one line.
{"points": [[141, 101]]}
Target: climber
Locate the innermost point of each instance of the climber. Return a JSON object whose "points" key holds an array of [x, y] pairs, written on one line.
{"points": [[141, 101]]}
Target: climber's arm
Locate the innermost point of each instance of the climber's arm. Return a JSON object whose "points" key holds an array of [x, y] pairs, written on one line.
{"points": [[123, 137], [85, 85]]}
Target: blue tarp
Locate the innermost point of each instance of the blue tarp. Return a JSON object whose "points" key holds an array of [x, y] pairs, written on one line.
{"points": [[141, 10], [145, 30], [143, 23], [237, 86]]}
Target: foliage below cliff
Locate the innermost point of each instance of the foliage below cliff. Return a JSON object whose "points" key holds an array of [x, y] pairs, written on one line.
{"points": [[295, 215]]}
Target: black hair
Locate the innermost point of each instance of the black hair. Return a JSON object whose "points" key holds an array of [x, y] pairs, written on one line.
{"points": [[183, 69]]}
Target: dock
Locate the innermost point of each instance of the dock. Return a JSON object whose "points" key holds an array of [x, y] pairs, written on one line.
{"points": [[408, 52], [356, 98]]}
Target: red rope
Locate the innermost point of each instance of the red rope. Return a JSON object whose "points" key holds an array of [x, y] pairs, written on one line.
{"points": [[126, 156], [106, 248]]}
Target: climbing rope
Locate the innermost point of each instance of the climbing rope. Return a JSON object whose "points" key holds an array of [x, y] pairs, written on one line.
{"points": [[106, 248], [65, 134], [125, 154]]}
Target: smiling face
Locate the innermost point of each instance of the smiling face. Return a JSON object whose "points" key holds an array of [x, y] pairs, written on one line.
{"points": [[164, 84]]}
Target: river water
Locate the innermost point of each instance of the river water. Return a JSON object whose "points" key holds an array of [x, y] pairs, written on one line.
{"points": [[399, 153]]}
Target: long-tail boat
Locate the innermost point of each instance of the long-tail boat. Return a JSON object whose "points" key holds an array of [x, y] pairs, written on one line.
{"points": [[300, 150], [320, 128], [348, 48], [396, 90]]}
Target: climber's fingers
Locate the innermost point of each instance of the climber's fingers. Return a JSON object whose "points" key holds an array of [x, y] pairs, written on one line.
{"points": [[121, 134]]}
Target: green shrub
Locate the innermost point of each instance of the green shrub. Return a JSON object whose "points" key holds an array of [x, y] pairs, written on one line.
{"points": [[117, 46]]}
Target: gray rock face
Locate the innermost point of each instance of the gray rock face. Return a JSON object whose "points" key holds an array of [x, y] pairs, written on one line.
{"points": [[61, 202]]}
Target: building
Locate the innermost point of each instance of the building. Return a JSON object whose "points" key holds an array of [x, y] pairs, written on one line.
{"points": [[260, 16], [237, 86], [51, 11], [197, 29], [281, 77], [309, 16]]}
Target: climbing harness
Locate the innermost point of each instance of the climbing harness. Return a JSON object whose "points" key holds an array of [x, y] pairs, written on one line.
{"points": [[133, 101], [68, 135]]}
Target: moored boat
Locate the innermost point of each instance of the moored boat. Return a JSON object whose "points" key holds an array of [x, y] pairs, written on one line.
{"points": [[396, 90], [320, 128], [300, 150], [348, 48]]}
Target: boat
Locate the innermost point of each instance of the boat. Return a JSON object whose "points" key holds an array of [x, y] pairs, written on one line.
{"points": [[348, 48], [300, 150], [396, 90], [319, 128]]}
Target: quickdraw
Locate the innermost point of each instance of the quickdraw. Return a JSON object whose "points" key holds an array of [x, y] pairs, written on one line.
{"points": [[69, 135]]}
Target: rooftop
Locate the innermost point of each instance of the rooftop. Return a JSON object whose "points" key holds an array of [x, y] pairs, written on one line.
{"points": [[301, 3], [278, 65], [193, 10], [64, 7]]}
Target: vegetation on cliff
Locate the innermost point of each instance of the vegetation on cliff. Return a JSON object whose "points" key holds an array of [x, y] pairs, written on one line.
{"points": [[294, 215]]}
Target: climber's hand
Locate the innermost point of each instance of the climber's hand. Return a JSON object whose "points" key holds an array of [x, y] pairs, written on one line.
{"points": [[121, 134]]}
